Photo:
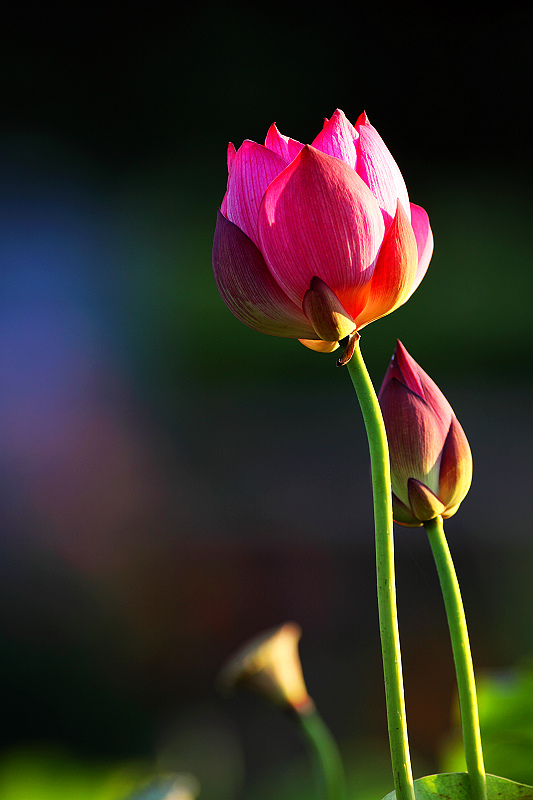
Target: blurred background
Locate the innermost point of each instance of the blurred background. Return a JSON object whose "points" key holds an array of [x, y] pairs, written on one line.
{"points": [[171, 482]]}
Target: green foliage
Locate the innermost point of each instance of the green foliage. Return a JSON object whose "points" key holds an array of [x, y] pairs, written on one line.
{"points": [[506, 717], [455, 786], [49, 774], [52, 774]]}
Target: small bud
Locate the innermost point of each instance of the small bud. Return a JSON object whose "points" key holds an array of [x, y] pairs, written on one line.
{"points": [[431, 462], [270, 665]]}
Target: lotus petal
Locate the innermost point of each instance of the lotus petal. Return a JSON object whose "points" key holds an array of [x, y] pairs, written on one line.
{"points": [[231, 155], [405, 369], [284, 146], [231, 159], [379, 170], [319, 346], [455, 474], [337, 139], [254, 168], [424, 243], [319, 218], [394, 272], [430, 391], [249, 290], [415, 438]]}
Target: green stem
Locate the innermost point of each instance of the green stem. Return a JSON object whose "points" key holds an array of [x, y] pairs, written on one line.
{"points": [[327, 756], [386, 584], [462, 656]]}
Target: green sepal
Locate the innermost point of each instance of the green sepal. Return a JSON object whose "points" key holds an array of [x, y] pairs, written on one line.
{"points": [[455, 786]]}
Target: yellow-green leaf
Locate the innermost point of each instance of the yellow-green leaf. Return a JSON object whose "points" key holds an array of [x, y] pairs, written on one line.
{"points": [[455, 786]]}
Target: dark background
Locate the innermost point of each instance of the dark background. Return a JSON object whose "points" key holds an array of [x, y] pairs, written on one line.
{"points": [[171, 482]]}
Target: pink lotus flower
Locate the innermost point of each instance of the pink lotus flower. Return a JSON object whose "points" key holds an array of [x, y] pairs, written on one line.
{"points": [[313, 242], [431, 462]]}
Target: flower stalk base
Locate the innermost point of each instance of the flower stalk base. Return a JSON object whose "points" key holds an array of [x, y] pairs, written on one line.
{"points": [[386, 585], [462, 657]]}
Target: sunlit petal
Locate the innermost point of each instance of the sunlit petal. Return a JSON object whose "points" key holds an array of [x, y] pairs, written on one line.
{"points": [[319, 346], [455, 474], [394, 272], [254, 167], [319, 218], [284, 146], [337, 138], [379, 170], [424, 243]]}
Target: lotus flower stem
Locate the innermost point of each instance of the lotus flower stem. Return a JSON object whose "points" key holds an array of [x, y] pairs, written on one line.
{"points": [[462, 656], [327, 756], [386, 584]]}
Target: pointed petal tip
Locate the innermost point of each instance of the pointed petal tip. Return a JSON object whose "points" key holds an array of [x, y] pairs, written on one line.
{"points": [[284, 146], [308, 151], [400, 348], [253, 169], [272, 131], [337, 138], [230, 156], [405, 368], [403, 355], [379, 170]]}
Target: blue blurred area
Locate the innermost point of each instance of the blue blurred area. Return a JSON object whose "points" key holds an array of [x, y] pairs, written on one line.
{"points": [[171, 482]]}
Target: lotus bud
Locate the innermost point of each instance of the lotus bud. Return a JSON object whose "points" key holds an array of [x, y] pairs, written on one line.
{"points": [[431, 461], [269, 665]]}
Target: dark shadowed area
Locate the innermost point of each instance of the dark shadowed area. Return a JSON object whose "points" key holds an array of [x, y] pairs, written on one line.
{"points": [[171, 482]]}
